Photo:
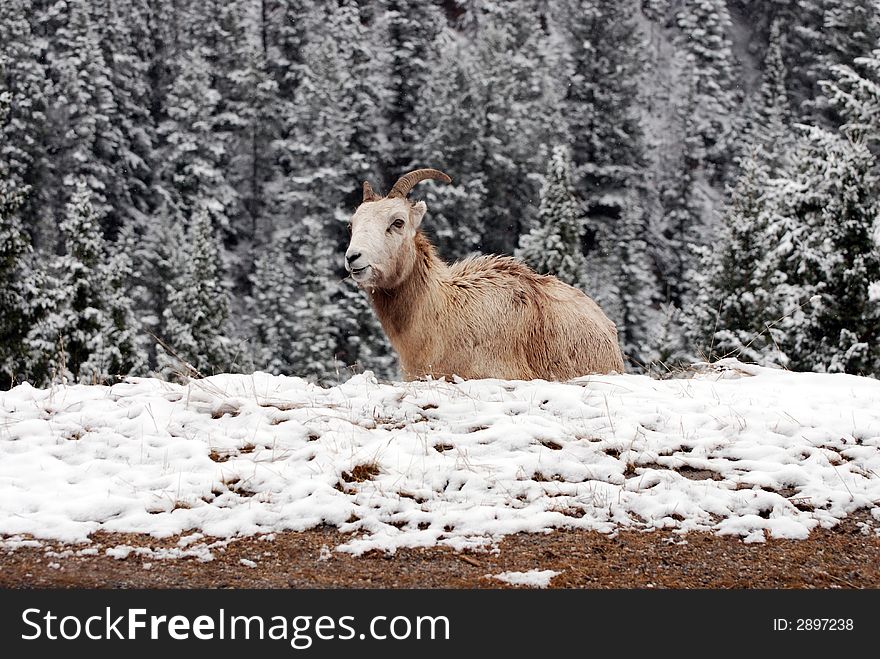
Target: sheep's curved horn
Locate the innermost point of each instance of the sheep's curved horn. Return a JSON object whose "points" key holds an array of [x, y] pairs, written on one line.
{"points": [[406, 182], [369, 195]]}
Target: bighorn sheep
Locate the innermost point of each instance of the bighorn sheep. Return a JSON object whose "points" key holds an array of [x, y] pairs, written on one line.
{"points": [[484, 317]]}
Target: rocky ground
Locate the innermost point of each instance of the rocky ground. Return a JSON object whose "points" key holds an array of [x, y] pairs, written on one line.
{"points": [[845, 557]]}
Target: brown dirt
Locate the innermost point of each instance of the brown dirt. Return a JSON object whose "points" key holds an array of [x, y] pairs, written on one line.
{"points": [[840, 558]]}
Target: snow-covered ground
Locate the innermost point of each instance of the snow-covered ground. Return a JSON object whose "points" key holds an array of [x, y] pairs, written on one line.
{"points": [[733, 449], [533, 578]]}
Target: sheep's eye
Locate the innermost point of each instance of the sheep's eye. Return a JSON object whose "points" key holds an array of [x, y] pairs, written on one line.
{"points": [[398, 223]]}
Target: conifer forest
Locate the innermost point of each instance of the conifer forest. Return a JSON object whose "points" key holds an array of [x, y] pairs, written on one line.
{"points": [[176, 177]]}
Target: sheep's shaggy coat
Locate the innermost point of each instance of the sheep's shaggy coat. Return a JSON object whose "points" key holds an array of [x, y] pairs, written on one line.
{"points": [[492, 317], [486, 317]]}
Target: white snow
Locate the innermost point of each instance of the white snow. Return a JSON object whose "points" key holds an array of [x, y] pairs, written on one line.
{"points": [[532, 578], [733, 449]]}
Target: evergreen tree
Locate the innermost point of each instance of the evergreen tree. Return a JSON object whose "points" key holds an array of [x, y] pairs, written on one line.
{"points": [[604, 63], [667, 347], [734, 311], [847, 29], [554, 246], [626, 285], [335, 138], [86, 329], [600, 108], [85, 133], [706, 28], [684, 217], [450, 123], [412, 29], [245, 119], [364, 345], [805, 302], [15, 247], [335, 141], [124, 31], [519, 114], [196, 319], [316, 315], [272, 304], [855, 94], [257, 94], [829, 257], [195, 151], [768, 122], [284, 32], [120, 347], [23, 140], [486, 116], [285, 28]]}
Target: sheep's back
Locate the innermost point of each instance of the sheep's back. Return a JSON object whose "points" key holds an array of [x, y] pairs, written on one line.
{"points": [[533, 324]]}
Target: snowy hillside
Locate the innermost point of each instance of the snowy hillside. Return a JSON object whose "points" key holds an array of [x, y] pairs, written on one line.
{"points": [[734, 449]]}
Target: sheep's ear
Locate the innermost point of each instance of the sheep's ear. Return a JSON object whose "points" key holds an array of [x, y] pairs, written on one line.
{"points": [[418, 212]]}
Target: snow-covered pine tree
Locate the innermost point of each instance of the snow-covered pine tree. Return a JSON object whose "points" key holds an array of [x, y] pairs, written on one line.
{"points": [[85, 330], [607, 70], [124, 32], [845, 29], [284, 31], [825, 258], [317, 315], [272, 309], [655, 10], [120, 347], [678, 233], [15, 247], [245, 119], [706, 28], [23, 143], [817, 35], [191, 180], [854, 92], [163, 41], [798, 291], [826, 250], [257, 94], [84, 133], [519, 95], [684, 207], [600, 103], [733, 313], [667, 345], [626, 285], [554, 246], [196, 319], [157, 257], [768, 123], [194, 151], [334, 141], [450, 123], [285, 27], [486, 115], [412, 29]]}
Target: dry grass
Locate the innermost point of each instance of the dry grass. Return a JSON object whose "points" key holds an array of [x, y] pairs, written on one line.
{"points": [[361, 473]]}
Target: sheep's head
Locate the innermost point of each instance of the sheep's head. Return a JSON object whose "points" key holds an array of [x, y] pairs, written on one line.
{"points": [[382, 252]]}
